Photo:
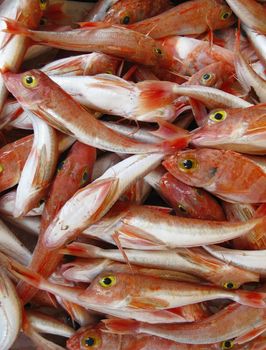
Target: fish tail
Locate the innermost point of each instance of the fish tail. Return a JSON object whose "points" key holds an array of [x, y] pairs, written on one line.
{"points": [[253, 299], [154, 95], [14, 27], [121, 326]]}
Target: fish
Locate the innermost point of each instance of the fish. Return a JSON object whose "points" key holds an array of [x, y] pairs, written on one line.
{"points": [[102, 37], [39, 168], [234, 321], [36, 92], [103, 340], [194, 17], [227, 174], [72, 174], [187, 201], [189, 261]]}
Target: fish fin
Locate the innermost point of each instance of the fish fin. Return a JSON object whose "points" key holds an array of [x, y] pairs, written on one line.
{"points": [[167, 130], [115, 237], [250, 335], [79, 249], [154, 94], [121, 326], [14, 27], [253, 299], [138, 238], [148, 303]]}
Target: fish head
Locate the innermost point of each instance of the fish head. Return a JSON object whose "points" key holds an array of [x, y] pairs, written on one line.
{"points": [[92, 338], [213, 75], [190, 201], [220, 16], [110, 288], [30, 88], [195, 167]]}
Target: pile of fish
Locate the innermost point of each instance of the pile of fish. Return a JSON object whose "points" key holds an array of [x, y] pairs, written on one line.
{"points": [[133, 175]]}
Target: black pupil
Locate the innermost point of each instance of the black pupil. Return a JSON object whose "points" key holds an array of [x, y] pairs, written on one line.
{"points": [[230, 285], [43, 1], [85, 176], [126, 20], [107, 281], [29, 80], [159, 51], [227, 344], [226, 15], [187, 163], [206, 76], [89, 341], [218, 116]]}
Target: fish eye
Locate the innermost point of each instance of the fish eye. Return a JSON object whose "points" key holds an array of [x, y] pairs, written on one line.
{"points": [[181, 208], [60, 166], [109, 72], [225, 14], [158, 51], [90, 341], [29, 81], [188, 165], [1, 168], [43, 4], [227, 344], [218, 116], [85, 177], [206, 77], [230, 285], [107, 281], [125, 20]]}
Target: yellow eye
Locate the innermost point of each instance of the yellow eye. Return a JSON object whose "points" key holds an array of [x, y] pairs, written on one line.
{"points": [[107, 281], [90, 341], [43, 4], [188, 165], [29, 81], [125, 19], [206, 78], [225, 14], [218, 116], [85, 177], [227, 344], [230, 285], [1, 168], [158, 51], [109, 72]]}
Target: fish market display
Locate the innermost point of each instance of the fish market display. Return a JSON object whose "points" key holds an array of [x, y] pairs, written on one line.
{"points": [[133, 175]]}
